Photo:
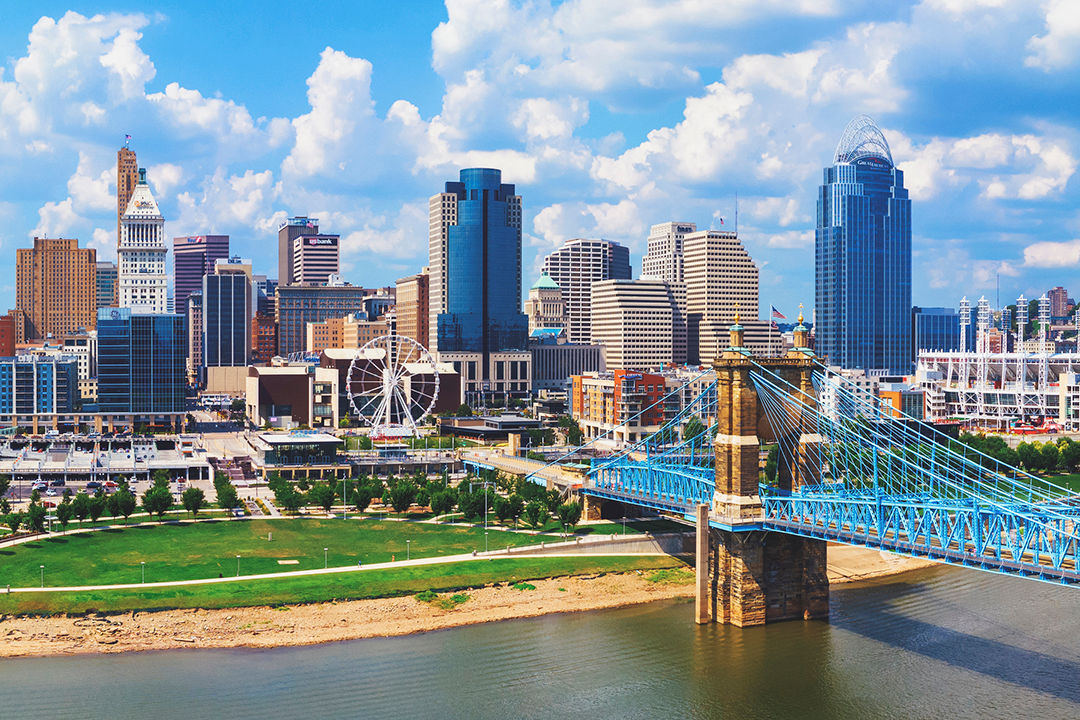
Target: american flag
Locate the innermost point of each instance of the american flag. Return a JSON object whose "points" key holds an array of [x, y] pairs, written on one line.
{"points": [[776, 314]]}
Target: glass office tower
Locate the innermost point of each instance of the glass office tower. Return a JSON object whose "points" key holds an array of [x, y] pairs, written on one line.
{"points": [[483, 268], [863, 256], [141, 362]]}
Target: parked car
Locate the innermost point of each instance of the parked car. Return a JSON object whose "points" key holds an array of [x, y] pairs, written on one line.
{"points": [[51, 493], [57, 482], [93, 485], [39, 485], [110, 485]]}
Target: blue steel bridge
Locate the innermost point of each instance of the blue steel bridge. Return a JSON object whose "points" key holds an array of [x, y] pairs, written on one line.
{"points": [[850, 470]]}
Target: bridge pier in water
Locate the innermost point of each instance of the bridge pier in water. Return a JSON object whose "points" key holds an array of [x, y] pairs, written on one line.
{"points": [[747, 575], [754, 577]]}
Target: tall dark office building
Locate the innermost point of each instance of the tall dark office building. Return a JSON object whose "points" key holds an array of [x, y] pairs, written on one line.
{"points": [[194, 257], [863, 256], [934, 328], [227, 313], [290, 230], [141, 362], [477, 256]]}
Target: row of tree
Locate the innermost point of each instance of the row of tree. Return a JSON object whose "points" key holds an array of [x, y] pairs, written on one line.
{"points": [[1052, 456], [519, 501]]}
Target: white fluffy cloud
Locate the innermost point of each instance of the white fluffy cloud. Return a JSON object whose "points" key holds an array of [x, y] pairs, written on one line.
{"points": [[1049, 254], [1059, 47]]}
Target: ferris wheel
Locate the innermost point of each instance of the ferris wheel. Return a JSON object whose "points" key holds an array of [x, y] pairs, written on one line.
{"points": [[392, 385]]}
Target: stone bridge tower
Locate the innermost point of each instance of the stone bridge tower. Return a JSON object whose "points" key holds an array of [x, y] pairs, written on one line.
{"points": [[747, 575]]}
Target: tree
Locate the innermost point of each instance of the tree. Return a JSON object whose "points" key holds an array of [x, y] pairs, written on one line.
{"points": [[35, 496], [227, 497], [535, 514], [362, 497], [363, 442], [288, 498], [501, 508], [157, 501], [692, 428], [471, 504], [1050, 456], [1029, 456], [1070, 456], [771, 463], [97, 507], [423, 497], [193, 499], [442, 502], [516, 507], [125, 502], [463, 410], [14, 521], [35, 518], [80, 506], [161, 478], [322, 495], [402, 495], [5, 506], [569, 514], [551, 499], [5, 484], [572, 429], [64, 513]]}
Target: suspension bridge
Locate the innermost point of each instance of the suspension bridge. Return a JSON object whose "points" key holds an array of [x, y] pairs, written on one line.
{"points": [[849, 470]]}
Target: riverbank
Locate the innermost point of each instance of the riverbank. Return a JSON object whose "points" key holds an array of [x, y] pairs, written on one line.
{"points": [[288, 625]]}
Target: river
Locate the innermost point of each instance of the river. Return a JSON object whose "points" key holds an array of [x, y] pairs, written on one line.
{"points": [[942, 643]]}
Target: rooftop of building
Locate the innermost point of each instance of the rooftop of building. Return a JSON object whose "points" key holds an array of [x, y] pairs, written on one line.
{"points": [[544, 282]]}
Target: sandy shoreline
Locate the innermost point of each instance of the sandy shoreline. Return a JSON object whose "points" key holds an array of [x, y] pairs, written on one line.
{"points": [[263, 627]]}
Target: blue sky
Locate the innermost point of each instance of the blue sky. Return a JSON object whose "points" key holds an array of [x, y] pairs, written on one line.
{"points": [[609, 115]]}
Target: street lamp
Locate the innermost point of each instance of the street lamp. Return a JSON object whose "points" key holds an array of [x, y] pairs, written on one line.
{"points": [[42, 576], [408, 550], [143, 564], [237, 566], [324, 557]]}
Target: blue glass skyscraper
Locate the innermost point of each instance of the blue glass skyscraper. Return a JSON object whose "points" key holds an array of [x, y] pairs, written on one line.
{"points": [[482, 267], [863, 256]]}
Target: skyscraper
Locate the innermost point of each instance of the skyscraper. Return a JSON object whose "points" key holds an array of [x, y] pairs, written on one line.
{"points": [[863, 256], [478, 259], [291, 229], [141, 369], [1059, 302], [721, 281], [193, 258], [127, 176], [56, 287], [227, 313], [143, 285], [640, 323], [106, 284], [575, 267], [315, 258], [663, 257], [412, 307]]}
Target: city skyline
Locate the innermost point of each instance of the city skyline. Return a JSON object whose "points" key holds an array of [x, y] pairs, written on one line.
{"points": [[658, 133]]}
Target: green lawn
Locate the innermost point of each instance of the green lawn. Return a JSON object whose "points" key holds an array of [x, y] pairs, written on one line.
{"points": [[190, 551], [323, 588], [1071, 481]]}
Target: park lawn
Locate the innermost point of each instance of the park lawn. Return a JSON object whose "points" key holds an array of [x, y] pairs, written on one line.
{"points": [[324, 588], [1071, 481], [190, 551]]}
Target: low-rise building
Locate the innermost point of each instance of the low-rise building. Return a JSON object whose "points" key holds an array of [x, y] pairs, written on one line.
{"points": [[292, 395], [555, 360]]}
